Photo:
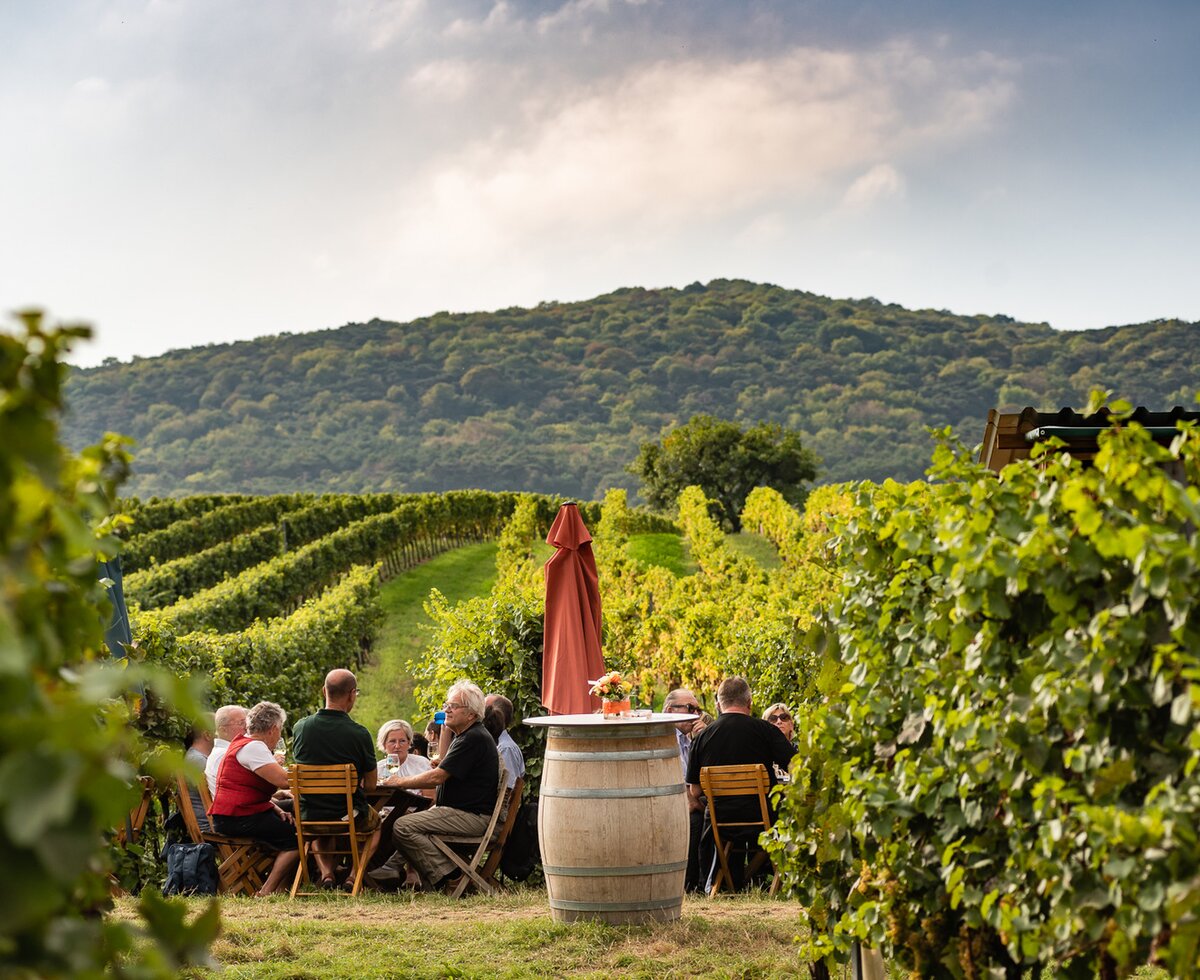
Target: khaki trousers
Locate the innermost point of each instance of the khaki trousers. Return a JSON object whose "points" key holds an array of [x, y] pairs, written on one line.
{"points": [[411, 836]]}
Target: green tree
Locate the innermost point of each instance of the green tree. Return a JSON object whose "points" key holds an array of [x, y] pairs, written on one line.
{"points": [[726, 462], [67, 744]]}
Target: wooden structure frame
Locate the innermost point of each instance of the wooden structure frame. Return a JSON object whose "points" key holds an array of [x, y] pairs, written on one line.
{"points": [[717, 782], [1010, 436]]}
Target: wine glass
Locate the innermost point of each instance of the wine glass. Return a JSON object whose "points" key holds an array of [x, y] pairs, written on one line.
{"points": [[281, 752]]}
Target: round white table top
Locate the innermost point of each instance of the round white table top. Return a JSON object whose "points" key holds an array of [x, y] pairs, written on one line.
{"points": [[597, 720]]}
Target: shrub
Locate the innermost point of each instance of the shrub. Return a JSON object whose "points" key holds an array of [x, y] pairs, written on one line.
{"points": [[67, 749], [1004, 775]]}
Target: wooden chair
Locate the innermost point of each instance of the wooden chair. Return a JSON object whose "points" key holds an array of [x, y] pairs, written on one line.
{"points": [[496, 850], [717, 782], [339, 837], [448, 844], [242, 863], [131, 829]]}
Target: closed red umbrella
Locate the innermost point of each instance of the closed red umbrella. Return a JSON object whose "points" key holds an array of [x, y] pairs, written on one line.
{"points": [[571, 655]]}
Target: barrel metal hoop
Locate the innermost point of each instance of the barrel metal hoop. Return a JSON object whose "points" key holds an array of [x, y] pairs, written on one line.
{"points": [[617, 730], [631, 756], [612, 793], [637, 869], [661, 903]]}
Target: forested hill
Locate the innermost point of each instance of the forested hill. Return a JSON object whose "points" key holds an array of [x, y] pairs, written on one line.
{"points": [[558, 398]]}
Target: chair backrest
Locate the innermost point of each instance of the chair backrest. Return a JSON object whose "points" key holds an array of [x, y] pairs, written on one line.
{"points": [[724, 781], [190, 819], [323, 781], [513, 802], [501, 793]]}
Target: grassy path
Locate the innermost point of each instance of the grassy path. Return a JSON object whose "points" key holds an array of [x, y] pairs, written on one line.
{"points": [[385, 685]]}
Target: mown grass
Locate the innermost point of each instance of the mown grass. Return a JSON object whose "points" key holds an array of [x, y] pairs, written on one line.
{"points": [[754, 546], [386, 686], [668, 550], [508, 936]]}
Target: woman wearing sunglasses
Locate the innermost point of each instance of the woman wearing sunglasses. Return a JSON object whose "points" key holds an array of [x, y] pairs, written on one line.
{"points": [[780, 716]]}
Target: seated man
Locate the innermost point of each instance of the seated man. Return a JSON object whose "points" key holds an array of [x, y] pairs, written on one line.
{"points": [[683, 701], [737, 738], [229, 722], [510, 751], [466, 779], [331, 737]]}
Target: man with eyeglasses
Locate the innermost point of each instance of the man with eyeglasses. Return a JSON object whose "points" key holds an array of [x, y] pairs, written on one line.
{"points": [[737, 738], [466, 779], [332, 738], [683, 701]]}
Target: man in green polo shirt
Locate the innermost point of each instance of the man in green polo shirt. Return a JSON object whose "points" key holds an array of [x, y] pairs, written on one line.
{"points": [[330, 738]]}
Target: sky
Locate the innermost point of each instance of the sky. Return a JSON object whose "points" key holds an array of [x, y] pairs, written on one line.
{"points": [[187, 172]]}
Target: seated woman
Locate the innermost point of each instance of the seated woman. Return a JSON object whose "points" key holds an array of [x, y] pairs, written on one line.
{"points": [[246, 781], [395, 738], [780, 715]]}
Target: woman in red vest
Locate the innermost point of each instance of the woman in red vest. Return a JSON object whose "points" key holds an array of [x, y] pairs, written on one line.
{"points": [[246, 781]]}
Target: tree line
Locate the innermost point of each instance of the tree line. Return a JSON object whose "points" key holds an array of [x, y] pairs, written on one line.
{"points": [[559, 398]]}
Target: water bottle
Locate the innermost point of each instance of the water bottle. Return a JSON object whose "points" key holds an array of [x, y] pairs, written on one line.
{"points": [[439, 717]]}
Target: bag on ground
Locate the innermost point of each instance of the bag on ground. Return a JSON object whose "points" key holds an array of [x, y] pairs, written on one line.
{"points": [[191, 869]]}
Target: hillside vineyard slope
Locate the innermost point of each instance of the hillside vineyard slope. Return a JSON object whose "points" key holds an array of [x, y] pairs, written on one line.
{"points": [[558, 398]]}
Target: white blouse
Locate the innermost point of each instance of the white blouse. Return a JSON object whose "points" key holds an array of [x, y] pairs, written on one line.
{"points": [[411, 766]]}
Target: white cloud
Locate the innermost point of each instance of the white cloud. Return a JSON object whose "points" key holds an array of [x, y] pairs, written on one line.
{"points": [[449, 80], [378, 24], [679, 143], [881, 182]]}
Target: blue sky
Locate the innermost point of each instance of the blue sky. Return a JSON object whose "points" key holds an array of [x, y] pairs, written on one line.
{"points": [[181, 172]]}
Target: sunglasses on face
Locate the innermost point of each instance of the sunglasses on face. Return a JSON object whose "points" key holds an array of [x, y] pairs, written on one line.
{"points": [[775, 719], [691, 709]]}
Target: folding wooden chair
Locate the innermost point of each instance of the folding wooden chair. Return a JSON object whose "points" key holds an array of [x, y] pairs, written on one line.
{"points": [[131, 829], [339, 836], [447, 844], [718, 782], [496, 850], [242, 863]]}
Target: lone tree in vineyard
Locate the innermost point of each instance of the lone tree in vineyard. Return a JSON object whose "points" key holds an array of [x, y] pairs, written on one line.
{"points": [[726, 462]]}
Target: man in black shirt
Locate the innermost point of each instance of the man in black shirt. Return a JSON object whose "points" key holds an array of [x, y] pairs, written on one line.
{"points": [[737, 738], [466, 779]]}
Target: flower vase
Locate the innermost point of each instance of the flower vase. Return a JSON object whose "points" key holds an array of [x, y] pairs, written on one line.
{"points": [[616, 709]]}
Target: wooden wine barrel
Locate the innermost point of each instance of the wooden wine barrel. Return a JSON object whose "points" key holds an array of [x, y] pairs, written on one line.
{"points": [[612, 818]]}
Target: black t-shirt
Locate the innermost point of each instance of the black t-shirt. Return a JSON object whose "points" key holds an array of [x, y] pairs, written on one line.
{"points": [[739, 740], [331, 738], [473, 764]]}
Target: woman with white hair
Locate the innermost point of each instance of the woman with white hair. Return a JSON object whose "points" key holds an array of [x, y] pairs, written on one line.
{"points": [[246, 781], [395, 741]]}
